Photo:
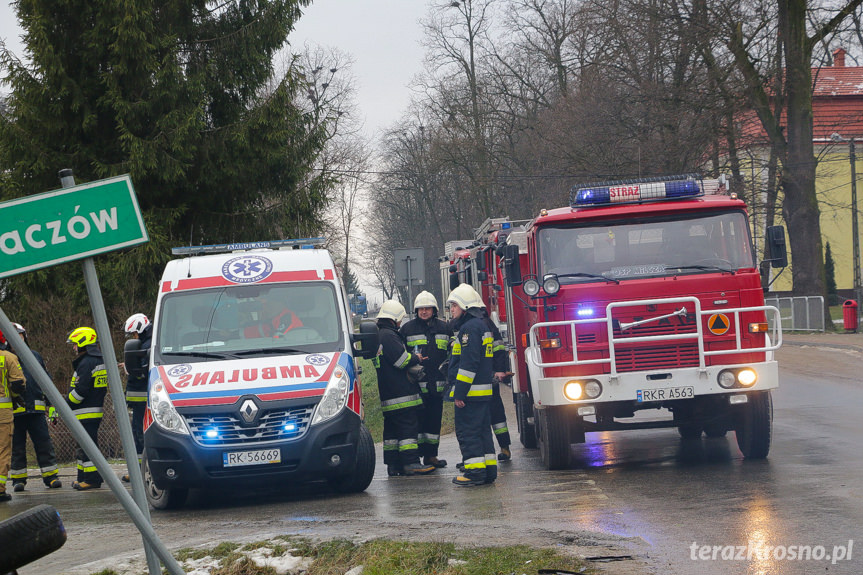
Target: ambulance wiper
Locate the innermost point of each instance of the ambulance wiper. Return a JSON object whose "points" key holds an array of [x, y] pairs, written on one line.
{"points": [[732, 272], [209, 354], [587, 275], [271, 351]]}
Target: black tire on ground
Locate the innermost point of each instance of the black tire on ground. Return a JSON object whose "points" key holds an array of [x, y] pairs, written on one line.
{"points": [[754, 428], [523, 410], [30, 535], [714, 431], [689, 431], [364, 471], [554, 437], [161, 498]]}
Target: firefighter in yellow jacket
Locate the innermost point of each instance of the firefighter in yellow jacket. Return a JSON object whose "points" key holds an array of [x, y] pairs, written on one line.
{"points": [[11, 391], [86, 398]]}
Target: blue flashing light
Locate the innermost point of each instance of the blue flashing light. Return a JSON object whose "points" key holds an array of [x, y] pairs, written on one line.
{"points": [[505, 225], [290, 427], [212, 434], [585, 312], [633, 191]]}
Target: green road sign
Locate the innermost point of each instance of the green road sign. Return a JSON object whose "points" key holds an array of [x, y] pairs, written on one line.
{"points": [[69, 224]]}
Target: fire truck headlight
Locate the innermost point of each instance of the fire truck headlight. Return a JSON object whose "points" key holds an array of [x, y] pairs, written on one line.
{"points": [[592, 389], [551, 285], [164, 413], [530, 287], [726, 378], [335, 397], [572, 390], [747, 377]]}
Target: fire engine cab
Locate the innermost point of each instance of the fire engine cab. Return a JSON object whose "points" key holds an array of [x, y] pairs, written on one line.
{"points": [[640, 295], [252, 377]]}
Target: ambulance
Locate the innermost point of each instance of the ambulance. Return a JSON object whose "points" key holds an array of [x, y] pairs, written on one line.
{"points": [[253, 378]]}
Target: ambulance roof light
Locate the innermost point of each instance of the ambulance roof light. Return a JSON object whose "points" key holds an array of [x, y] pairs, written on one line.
{"points": [[678, 187], [301, 243]]}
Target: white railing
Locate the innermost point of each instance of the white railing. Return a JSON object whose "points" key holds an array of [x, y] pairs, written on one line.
{"points": [[799, 313], [533, 354]]}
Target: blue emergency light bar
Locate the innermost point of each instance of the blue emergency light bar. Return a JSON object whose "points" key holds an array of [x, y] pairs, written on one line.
{"points": [[302, 243], [637, 191]]}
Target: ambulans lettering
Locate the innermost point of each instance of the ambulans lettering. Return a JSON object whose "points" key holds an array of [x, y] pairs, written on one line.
{"points": [[238, 375], [310, 371], [268, 373], [250, 374], [290, 370], [183, 381], [200, 378]]}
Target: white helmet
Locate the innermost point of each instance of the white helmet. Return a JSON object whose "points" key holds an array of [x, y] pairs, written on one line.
{"points": [[391, 309], [19, 328], [424, 299], [136, 323], [464, 296]]}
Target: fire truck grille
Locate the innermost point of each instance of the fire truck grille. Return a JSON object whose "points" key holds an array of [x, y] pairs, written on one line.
{"points": [[657, 357], [228, 429]]}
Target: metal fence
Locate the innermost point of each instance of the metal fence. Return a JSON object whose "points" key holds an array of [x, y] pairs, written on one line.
{"points": [[799, 313]]}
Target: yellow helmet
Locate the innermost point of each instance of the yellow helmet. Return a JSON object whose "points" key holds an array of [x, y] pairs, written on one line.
{"points": [[82, 336], [424, 299], [391, 309], [464, 296]]}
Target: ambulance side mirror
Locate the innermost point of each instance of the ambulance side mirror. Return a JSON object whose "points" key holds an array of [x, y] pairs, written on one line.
{"points": [[511, 266], [133, 356], [367, 341], [776, 249]]}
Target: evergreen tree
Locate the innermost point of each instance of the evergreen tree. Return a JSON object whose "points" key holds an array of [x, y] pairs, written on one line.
{"points": [[352, 284], [830, 276], [180, 94]]}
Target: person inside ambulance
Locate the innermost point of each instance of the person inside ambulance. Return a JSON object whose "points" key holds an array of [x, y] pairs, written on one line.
{"points": [[274, 320]]}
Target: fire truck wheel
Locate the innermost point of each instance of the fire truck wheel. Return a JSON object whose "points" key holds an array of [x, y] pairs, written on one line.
{"points": [[364, 471], [754, 427], [554, 446], [29, 536], [161, 498], [715, 431], [526, 430]]}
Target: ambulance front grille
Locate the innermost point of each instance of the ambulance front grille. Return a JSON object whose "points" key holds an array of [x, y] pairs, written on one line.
{"points": [[228, 429]]}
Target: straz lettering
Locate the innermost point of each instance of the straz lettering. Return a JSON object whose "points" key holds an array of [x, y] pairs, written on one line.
{"points": [[623, 193], [216, 377]]}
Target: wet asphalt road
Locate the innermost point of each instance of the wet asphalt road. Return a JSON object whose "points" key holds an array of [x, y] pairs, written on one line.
{"points": [[643, 494]]}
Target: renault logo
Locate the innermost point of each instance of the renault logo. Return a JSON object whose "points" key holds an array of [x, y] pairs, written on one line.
{"points": [[248, 411]]}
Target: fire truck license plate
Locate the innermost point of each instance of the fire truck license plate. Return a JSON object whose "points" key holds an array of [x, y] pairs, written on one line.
{"points": [[261, 457], [664, 393]]}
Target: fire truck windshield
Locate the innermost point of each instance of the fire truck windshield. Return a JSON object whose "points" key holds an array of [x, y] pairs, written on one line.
{"points": [[684, 244]]}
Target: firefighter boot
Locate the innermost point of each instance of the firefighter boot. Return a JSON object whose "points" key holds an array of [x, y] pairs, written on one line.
{"points": [[54, 484], [17, 487], [464, 481], [433, 460], [505, 454], [5, 496], [125, 478], [84, 486], [395, 470], [418, 469]]}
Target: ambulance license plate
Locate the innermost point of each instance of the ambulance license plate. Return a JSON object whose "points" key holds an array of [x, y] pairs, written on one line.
{"points": [[260, 457], [664, 393]]}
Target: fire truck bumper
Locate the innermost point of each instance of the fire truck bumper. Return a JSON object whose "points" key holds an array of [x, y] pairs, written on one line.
{"points": [[655, 386]]}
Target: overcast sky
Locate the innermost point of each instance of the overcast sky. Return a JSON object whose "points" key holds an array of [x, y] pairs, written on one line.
{"points": [[383, 36]]}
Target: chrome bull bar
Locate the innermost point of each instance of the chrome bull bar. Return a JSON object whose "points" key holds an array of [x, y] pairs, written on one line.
{"points": [[533, 353]]}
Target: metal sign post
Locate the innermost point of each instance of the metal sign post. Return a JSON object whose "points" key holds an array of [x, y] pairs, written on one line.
{"points": [[408, 262], [74, 223]]}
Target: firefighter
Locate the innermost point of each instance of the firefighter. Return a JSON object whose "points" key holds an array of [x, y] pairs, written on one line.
{"points": [[138, 326], [12, 389], [30, 419], [500, 362], [86, 398], [428, 336], [470, 379], [400, 398]]}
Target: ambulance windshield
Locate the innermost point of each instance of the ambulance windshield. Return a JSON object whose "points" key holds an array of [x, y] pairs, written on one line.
{"points": [[686, 244], [245, 320]]}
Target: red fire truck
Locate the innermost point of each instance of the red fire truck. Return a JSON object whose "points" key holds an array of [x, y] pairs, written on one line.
{"points": [[641, 295]]}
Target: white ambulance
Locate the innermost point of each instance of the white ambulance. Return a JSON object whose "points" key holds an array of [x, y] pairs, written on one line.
{"points": [[253, 378]]}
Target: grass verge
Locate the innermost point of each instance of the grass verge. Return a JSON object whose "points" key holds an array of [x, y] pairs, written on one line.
{"points": [[382, 557]]}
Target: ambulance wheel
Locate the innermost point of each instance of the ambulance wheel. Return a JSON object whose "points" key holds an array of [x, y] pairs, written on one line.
{"points": [[554, 446], [754, 427], [30, 535], [364, 471], [161, 498], [524, 410]]}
